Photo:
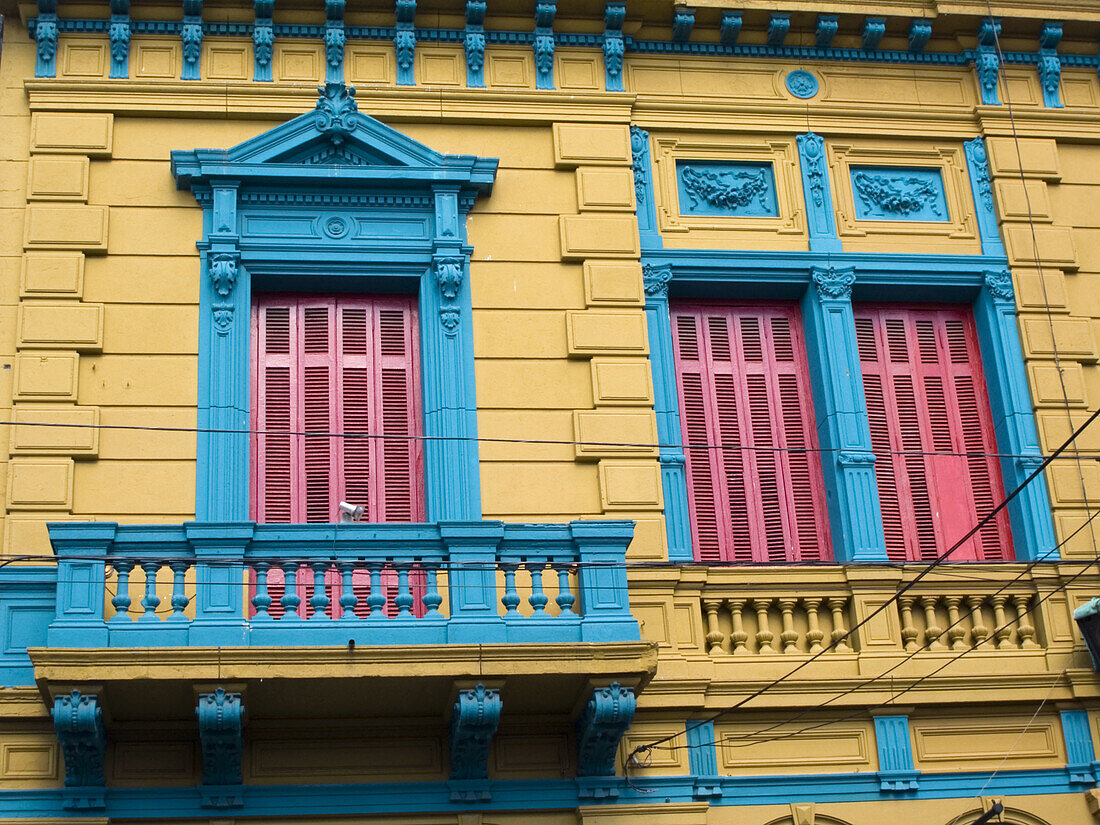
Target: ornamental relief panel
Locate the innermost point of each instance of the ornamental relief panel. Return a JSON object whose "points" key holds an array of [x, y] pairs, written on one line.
{"points": [[723, 193]]}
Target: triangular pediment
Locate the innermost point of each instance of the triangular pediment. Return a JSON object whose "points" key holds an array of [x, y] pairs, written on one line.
{"points": [[334, 134]]}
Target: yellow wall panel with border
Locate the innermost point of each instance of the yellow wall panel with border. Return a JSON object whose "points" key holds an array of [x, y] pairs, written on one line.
{"points": [[613, 283], [40, 484], [45, 274], [609, 433], [46, 376], [63, 177], [66, 132], [369, 63], [587, 144], [34, 432], [606, 332], [64, 326], [630, 485], [622, 382], [57, 226], [82, 57], [155, 58]]}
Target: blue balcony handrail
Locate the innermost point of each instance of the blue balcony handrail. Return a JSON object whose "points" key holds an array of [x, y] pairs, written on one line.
{"points": [[241, 583]]}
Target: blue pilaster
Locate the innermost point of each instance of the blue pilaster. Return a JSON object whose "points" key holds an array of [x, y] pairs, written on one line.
{"points": [[263, 39], [601, 574], [1081, 764], [895, 754], [334, 41], [545, 10], [78, 621], [45, 39], [613, 45], [191, 39], [473, 43], [118, 34], [981, 185], [847, 461], [219, 583], [1013, 420], [666, 406], [703, 760], [820, 220], [646, 206]]}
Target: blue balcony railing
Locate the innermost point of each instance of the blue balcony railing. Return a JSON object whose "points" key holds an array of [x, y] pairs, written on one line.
{"points": [[239, 584]]}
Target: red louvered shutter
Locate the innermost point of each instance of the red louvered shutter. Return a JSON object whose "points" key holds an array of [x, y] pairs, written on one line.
{"points": [[754, 477], [931, 431]]}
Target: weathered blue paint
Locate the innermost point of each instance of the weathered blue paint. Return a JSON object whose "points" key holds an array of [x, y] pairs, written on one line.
{"points": [[335, 199], [1081, 765]]}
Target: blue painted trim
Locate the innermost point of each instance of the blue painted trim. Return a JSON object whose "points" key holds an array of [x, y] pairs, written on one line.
{"points": [[895, 754], [818, 194], [920, 32], [646, 202], [44, 31], [404, 42], [981, 185], [119, 38], [27, 606], [825, 30], [986, 61], [534, 794], [801, 84], [703, 760], [683, 21], [873, 30], [545, 11], [191, 35], [730, 27], [473, 44], [778, 27], [898, 193], [334, 40], [1081, 765]]}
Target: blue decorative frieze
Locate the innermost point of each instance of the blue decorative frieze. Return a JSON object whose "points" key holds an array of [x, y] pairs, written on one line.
{"points": [[545, 11], [119, 36], [404, 42], [898, 194], [45, 37], [473, 43], [726, 189], [802, 83], [825, 30], [730, 28], [986, 61], [78, 722], [1050, 64], [334, 41], [474, 721], [778, 26], [221, 728], [263, 39], [920, 32], [895, 754], [600, 728], [614, 47], [873, 30], [191, 39], [683, 21]]}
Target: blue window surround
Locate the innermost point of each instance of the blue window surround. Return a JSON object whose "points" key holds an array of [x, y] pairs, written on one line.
{"points": [[333, 200], [825, 280]]}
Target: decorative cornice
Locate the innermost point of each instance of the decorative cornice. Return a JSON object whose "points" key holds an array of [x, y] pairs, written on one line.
{"points": [[833, 283], [655, 279], [999, 284]]}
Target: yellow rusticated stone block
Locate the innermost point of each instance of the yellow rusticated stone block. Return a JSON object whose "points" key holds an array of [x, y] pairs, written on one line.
{"points": [[74, 325], [30, 437], [368, 63], [1056, 426], [40, 484], [118, 441], [57, 178], [605, 190], [1066, 478], [298, 60], [1033, 292], [509, 68], [630, 485], [1073, 336], [46, 376], [1055, 245], [606, 332], [1047, 385], [89, 134], [1016, 198], [578, 71], [610, 433], [226, 59], [533, 435], [440, 66], [155, 57], [508, 285], [57, 226], [1038, 158], [622, 382], [52, 274], [1084, 538], [649, 542], [598, 236], [495, 334], [613, 283], [524, 384], [578, 144], [82, 57]]}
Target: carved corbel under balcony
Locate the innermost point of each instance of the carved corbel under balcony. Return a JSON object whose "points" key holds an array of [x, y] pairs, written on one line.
{"points": [[600, 728], [473, 723], [221, 726], [78, 722]]}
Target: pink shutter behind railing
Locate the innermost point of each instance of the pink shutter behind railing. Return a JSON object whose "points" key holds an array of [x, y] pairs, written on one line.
{"points": [[755, 491], [931, 431]]}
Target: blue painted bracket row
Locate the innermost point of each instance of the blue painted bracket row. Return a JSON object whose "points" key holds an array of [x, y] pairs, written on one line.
{"points": [[825, 279]]}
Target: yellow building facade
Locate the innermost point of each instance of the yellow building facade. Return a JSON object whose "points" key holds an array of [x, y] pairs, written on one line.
{"points": [[558, 628]]}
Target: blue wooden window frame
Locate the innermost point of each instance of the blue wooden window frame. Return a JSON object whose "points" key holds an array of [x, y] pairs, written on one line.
{"points": [[333, 200], [826, 279]]}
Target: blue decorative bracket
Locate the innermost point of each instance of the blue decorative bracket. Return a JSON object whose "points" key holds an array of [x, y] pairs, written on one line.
{"points": [[263, 39], [730, 28], [191, 39], [78, 722], [1050, 65], [118, 34], [820, 219], [614, 47], [895, 754], [920, 32], [545, 12], [683, 21], [1081, 765], [778, 26], [45, 39], [334, 41], [221, 727], [473, 43], [600, 728], [825, 30], [703, 760], [873, 30], [473, 723], [986, 60], [404, 42]]}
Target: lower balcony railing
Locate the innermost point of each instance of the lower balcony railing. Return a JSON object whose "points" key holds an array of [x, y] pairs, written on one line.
{"points": [[240, 584]]}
